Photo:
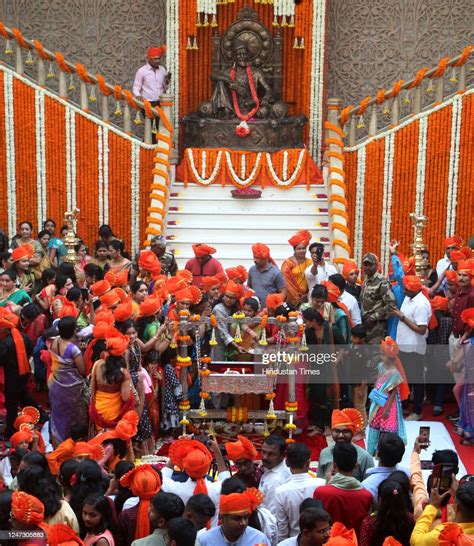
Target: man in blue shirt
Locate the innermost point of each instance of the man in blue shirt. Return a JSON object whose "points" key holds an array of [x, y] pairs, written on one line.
{"points": [[264, 277], [235, 510]]}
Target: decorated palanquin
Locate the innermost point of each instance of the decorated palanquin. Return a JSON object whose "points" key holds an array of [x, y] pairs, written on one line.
{"points": [[243, 135]]}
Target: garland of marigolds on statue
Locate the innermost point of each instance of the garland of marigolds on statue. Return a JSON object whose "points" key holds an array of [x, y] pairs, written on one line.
{"points": [[242, 130]]}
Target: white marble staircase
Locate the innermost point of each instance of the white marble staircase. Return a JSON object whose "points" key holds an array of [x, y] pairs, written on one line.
{"points": [[211, 215]]}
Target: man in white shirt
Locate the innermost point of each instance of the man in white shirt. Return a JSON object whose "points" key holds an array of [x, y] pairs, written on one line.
{"points": [[320, 270], [412, 331], [315, 529], [276, 471], [347, 299], [299, 486]]}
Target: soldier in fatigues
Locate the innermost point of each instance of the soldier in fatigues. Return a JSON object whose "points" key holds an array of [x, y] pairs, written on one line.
{"points": [[167, 259], [376, 300]]}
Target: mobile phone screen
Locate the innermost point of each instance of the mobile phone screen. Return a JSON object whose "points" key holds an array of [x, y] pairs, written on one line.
{"points": [[424, 436], [446, 478]]}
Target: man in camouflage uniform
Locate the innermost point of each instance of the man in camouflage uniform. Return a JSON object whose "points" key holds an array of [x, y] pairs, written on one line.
{"points": [[167, 259], [376, 300]]}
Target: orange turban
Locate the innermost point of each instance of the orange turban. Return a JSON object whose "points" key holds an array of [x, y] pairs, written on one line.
{"points": [[68, 309], [391, 349], [184, 274], [340, 536], [439, 303], [28, 414], [194, 458], [10, 322], [124, 311], [125, 429], [114, 297], [261, 251], [408, 265], [237, 273], [155, 51], [61, 534], [62, 453], [242, 449], [240, 503], [117, 279], [460, 255], [233, 289], [201, 249], [23, 435], [102, 330], [191, 294], [347, 418], [453, 241], [104, 315], [211, 282], [150, 306], [466, 267], [274, 301], [117, 345], [100, 288], [144, 483], [453, 534], [28, 510], [23, 252], [84, 449], [452, 276], [412, 283], [149, 261], [334, 292], [348, 267], [467, 316], [300, 238]]}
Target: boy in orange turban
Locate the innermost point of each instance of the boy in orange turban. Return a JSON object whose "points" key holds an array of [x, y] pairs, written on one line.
{"points": [[243, 453]]}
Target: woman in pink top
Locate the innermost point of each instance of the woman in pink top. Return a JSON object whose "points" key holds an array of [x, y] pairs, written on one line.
{"points": [[97, 526]]}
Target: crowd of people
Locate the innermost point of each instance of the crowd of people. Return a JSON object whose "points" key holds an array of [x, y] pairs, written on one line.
{"points": [[92, 382]]}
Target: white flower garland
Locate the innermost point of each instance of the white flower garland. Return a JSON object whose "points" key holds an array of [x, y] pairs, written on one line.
{"points": [[10, 152], [207, 6], [100, 169], [243, 181], [70, 120], [359, 206], [387, 199], [284, 8], [40, 158], [453, 171], [105, 149], [285, 165], [197, 176], [318, 56], [278, 181], [421, 165], [172, 59], [135, 197], [203, 163], [243, 166]]}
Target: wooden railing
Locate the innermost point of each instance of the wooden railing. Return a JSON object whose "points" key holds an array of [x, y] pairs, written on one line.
{"points": [[75, 83], [388, 107]]}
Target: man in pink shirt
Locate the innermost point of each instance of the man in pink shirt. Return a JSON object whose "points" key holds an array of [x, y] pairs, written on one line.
{"points": [[203, 265]]}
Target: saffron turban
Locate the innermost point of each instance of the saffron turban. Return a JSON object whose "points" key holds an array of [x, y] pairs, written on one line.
{"points": [[23, 252], [333, 291], [211, 282], [124, 311], [233, 289], [61, 534], [84, 449], [303, 237], [62, 453], [160, 281], [104, 315], [150, 306], [68, 309], [102, 330], [452, 276], [10, 322], [408, 265], [237, 273], [453, 534], [261, 251], [144, 483], [155, 51], [391, 349], [28, 414], [467, 316], [114, 297], [412, 283], [459, 255], [201, 249], [28, 510], [240, 503], [194, 458], [125, 429], [242, 449], [439, 303], [348, 267], [117, 279], [340, 536], [184, 274], [21, 436], [149, 261], [347, 418], [100, 288], [117, 345], [452, 241], [191, 294], [466, 267], [274, 301]]}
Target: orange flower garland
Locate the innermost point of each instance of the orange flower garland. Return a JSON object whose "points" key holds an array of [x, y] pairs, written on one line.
{"points": [[3, 154]]}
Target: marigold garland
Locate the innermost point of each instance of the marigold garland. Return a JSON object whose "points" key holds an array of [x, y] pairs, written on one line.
{"points": [[62, 63], [102, 85], [20, 39], [82, 73], [237, 414]]}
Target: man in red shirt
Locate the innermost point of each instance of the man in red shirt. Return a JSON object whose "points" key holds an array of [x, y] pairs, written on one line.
{"points": [[203, 265], [343, 497]]}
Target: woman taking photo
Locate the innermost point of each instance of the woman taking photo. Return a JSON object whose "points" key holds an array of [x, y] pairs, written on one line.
{"points": [[66, 382]]}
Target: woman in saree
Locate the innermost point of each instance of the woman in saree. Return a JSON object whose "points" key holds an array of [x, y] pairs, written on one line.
{"points": [[139, 290], [293, 269], [112, 393], [117, 261], [66, 382], [10, 295], [25, 230], [21, 257]]}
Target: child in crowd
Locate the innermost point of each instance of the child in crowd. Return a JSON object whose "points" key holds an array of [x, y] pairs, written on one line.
{"points": [[152, 365], [172, 394], [97, 525]]}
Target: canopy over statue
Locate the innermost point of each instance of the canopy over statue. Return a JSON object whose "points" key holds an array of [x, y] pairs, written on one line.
{"points": [[245, 110]]}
